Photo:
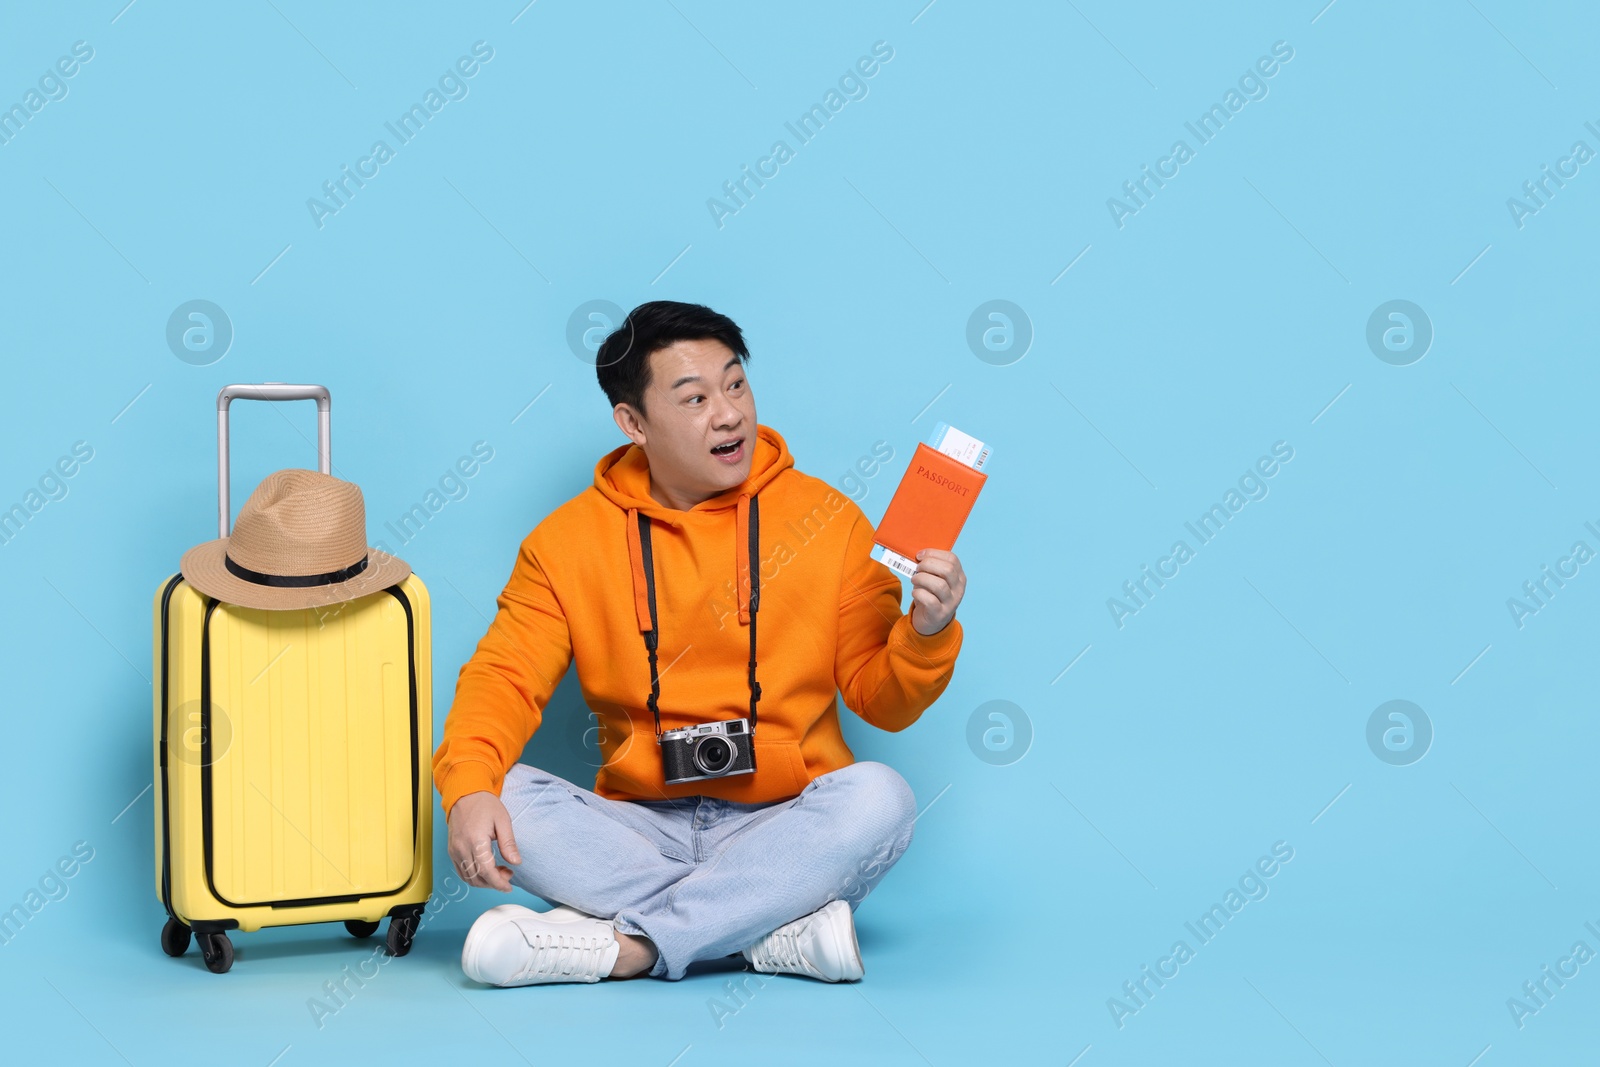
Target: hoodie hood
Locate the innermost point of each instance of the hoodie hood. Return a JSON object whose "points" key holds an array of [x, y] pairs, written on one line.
{"points": [[622, 476]]}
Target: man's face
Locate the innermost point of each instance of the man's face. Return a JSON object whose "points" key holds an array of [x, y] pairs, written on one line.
{"points": [[698, 400]]}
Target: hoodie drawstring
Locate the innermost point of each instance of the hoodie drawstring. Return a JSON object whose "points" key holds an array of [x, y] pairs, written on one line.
{"points": [[741, 565]]}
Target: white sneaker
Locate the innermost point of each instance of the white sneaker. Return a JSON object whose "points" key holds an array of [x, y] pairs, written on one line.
{"points": [[511, 945], [821, 945]]}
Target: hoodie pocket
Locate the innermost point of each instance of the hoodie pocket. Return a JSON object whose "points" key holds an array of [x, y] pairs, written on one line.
{"points": [[780, 767]]}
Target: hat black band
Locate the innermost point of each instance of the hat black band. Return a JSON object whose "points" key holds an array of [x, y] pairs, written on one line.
{"points": [[294, 581]]}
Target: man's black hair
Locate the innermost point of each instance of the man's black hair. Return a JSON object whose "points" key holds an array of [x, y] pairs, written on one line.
{"points": [[623, 362]]}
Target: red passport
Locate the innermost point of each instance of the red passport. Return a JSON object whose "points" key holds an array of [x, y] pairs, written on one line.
{"points": [[930, 505]]}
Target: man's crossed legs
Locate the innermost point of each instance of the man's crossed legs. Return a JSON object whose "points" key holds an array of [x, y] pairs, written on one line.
{"points": [[689, 879]]}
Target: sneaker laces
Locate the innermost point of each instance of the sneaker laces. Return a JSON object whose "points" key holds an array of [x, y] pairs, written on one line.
{"points": [[782, 949], [564, 954]]}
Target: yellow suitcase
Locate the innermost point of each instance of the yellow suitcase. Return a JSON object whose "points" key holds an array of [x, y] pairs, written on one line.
{"points": [[293, 780]]}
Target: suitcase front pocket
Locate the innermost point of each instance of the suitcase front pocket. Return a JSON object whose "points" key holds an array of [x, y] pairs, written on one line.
{"points": [[309, 785]]}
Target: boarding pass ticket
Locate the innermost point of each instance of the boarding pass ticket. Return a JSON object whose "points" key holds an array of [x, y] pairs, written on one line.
{"points": [[963, 448]]}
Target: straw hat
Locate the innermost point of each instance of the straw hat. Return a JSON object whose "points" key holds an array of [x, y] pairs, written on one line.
{"points": [[300, 542]]}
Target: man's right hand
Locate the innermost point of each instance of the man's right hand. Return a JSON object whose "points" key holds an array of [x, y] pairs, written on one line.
{"points": [[475, 820]]}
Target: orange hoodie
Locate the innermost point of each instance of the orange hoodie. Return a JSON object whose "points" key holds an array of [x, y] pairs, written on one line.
{"points": [[830, 622]]}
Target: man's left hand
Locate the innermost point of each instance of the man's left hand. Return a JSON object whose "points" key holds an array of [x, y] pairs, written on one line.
{"points": [[936, 590]]}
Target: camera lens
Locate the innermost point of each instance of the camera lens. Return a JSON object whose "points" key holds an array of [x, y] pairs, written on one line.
{"points": [[713, 755]]}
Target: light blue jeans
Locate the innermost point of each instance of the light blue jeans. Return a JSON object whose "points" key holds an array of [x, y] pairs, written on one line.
{"points": [[700, 877]]}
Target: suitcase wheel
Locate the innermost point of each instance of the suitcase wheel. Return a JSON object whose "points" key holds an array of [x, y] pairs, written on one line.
{"points": [[402, 928], [175, 938], [217, 951], [360, 927]]}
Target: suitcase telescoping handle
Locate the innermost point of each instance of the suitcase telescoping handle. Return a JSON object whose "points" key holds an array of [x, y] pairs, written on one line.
{"points": [[266, 391]]}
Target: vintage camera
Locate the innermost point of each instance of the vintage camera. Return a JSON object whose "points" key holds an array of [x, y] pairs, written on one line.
{"points": [[707, 750]]}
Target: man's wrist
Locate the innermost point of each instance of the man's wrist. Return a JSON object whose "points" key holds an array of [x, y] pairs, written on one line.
{"points": [[463, 779], [938, 641], [916, 615]]}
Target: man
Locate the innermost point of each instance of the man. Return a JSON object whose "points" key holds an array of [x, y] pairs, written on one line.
{"points": [[689, 535]]}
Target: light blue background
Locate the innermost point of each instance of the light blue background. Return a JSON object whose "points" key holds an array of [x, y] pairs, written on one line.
{"points": [[1223, 317]]}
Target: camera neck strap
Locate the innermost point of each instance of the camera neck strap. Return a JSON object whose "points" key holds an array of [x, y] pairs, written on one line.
{"points": [[651, 636]]}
